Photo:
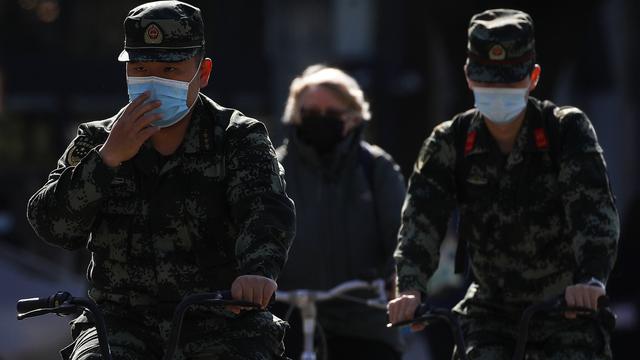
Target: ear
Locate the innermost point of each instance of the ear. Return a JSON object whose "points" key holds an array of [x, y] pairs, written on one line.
{"points": [[205, 72], [535, 77]]}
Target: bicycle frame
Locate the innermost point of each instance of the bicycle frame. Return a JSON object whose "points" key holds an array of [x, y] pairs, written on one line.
{"points": [[62, 303], [306, 300]]}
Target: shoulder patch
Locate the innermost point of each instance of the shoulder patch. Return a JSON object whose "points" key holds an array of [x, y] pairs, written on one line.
{"points": [[79, 150], [373, 149], [563, 111]]}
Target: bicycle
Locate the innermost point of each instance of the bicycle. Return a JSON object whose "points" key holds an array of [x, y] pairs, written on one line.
{"points": [[425, 314], [62, 303], [305, 300]]}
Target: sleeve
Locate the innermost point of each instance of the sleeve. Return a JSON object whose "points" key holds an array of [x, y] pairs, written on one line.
{"points": [[389, 197], [426, 211], [591, 216], [260, 207], [62, 212]]}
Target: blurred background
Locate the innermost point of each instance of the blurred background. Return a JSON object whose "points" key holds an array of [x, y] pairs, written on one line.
{"points": [[58, 68]]}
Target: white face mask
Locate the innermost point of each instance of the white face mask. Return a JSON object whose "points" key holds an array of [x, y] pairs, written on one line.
{"points": [[500, 105]]}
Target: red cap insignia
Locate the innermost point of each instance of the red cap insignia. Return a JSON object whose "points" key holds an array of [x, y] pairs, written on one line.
{"points": [[497, 52], [153, 34]]}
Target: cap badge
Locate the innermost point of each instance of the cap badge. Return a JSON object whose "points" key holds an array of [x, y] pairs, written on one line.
{"points": [[152, 35], [497, 52]]}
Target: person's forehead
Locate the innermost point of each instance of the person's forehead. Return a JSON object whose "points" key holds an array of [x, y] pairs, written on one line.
{"points": [[160, 63], [504, 85], [318, 93]]}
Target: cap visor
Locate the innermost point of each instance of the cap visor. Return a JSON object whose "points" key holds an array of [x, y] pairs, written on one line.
{"points": [[163, 55], [498, 73]]}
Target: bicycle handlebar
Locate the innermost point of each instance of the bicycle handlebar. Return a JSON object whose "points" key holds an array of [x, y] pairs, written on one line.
{"points": [[62, 303], [218, 298], [27, 307], [306, 295], [425, 313], [556, 305]]}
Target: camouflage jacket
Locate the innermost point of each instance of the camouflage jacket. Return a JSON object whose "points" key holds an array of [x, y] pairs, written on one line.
{"points": [[160, 228], [532, 227]]}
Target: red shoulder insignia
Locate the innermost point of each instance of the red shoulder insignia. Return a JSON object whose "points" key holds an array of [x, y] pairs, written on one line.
{"points": [[541, 139]]}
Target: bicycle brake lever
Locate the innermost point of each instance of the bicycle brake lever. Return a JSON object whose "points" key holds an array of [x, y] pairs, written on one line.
{"points": [[34, 313]]}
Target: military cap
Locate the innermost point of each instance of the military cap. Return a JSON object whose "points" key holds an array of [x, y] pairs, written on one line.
{"points": [[501, 46], [162, 31]]}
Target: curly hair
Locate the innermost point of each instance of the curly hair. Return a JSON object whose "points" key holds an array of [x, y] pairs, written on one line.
{"points": [[345, 87]]}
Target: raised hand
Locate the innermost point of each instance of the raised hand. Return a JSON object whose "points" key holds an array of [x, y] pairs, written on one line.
{"points": [[130, 130]]}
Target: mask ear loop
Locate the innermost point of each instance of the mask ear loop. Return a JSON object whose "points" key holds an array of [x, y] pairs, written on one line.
{"points": [[193, 78]]}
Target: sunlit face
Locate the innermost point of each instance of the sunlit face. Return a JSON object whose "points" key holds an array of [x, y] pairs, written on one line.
{"points": [[181, 71], [321, 100]]}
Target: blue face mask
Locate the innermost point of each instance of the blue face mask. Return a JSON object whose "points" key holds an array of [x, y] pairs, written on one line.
{"points": [[172, 95], [500, 105]]}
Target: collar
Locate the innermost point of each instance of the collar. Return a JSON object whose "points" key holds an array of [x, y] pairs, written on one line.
{"points": [[478, 139], [532, 136], [198, 139], [333, 162], [199, 135]]}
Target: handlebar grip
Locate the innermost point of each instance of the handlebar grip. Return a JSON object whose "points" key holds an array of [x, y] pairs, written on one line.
{"points": [[422, 309], [226, 295], [27, 305], [604, 302]]}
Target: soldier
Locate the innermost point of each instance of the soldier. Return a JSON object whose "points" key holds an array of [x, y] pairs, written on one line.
{"points": [[173, 195], [536, 212]]}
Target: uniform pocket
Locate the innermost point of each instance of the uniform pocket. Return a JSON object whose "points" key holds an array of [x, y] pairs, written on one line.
{"points": [[121, 197]]}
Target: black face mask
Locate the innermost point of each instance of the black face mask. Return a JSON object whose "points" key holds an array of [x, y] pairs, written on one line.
{"points": [[322, 132]]}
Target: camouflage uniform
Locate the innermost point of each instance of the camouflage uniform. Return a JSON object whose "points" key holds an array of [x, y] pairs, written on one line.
{"points": [[534, 222], [161, 228], [158, 231]]}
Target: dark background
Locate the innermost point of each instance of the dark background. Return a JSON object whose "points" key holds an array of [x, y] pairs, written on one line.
{"points": [[58, 68]]}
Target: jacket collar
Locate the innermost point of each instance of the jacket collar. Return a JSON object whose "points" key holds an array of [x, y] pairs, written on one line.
{"points": [[198, 139], [331, 163], [531, 137]]}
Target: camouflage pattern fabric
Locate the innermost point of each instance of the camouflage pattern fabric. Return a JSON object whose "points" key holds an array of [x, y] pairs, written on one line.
{"points": [[163, 31], [491, 332], [501, 46], [143, 335], [162, 228], [532, 229]]}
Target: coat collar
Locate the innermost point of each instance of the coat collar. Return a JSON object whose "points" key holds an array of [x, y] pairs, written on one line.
{"points": [[199, 139], [532, 136], [330, 164]]}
